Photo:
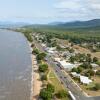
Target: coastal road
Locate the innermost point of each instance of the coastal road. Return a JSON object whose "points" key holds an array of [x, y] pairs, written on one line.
{"points": [[65, 79]]}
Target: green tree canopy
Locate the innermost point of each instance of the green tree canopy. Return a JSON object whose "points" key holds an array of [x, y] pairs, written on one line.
{"points": [[45, 94], [50, 88], [41, 56], [43, 67], [62, 94]]}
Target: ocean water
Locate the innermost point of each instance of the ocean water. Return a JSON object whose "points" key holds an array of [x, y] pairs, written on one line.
{"points": [[15, 66]]}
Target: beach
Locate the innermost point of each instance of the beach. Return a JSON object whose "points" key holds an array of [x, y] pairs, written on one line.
{"points": [[36, 82]]}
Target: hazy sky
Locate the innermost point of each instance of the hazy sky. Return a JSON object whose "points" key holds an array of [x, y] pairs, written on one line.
{"points": [[44, 11]]}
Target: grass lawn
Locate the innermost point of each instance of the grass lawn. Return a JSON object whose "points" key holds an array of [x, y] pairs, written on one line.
{"points": [[51, 74], [54, 80], [86, 88], [88, 91]]}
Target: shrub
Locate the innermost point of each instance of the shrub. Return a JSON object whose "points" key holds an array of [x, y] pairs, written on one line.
{"points": [[43, 67], [95, 59], [41, 56], [50, 88], [62, 94], [45, 94], [35, 51], [44, 77]]}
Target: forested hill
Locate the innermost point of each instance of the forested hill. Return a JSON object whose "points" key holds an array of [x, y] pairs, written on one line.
{"points": [[85, 31], [90, 23]]}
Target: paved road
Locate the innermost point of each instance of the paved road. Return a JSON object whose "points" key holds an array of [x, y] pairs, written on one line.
{"points": [[65, 80]]}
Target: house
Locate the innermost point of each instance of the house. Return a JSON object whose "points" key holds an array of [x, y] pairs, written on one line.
{"points": [[43, 45], [57, 59], [74, 74], [94, 65], [66, 65], [85, 80], [51, 50]]}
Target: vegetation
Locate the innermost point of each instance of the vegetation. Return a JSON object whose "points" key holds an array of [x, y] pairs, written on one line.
{"points": [[95, 59], [98, 73], [32, 45], [47, 93], [43, 67], [62, 94], [50, 88], [76, 35], [41, 56], [43, 77], [95, 87], [86, 65], [77, 70], [35, 51]]}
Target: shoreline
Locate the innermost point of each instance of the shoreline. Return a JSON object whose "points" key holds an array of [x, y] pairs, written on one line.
{"points": [[35, 77]]}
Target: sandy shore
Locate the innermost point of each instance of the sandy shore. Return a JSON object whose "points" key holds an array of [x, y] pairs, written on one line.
{"points": [[36, 82]]}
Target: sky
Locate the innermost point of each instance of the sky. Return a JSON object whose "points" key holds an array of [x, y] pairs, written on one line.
{"points": [[46, 11]]}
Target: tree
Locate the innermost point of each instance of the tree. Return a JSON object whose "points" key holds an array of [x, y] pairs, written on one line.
{"points": [[44, 77], [28, 36], [45, 94], [43, 67], [62, 94], [71, 50], [97, 86], [50, 88], [74, 70], [86, 65], [88, 58], [58, 48], [41, 56], [72, 59], [35, 51], [91, 72], [54, 44], [32, 45], [98, 72], [95, 59], [79, 69]]}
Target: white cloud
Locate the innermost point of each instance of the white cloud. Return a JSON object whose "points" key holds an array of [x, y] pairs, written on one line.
{"points": [[67, 4], [78, 9]]}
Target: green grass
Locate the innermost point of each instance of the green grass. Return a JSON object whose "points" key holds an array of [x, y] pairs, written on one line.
{"points": [[90, 85], [58, 86], [51, 74]]}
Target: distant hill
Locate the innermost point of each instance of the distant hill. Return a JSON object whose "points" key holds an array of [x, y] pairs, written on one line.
{"points": [[75, 24], [56, 23], [7, 24]]}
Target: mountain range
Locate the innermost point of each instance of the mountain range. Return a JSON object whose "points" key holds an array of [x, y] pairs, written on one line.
{"points": [[89, 23], [9, 24], [73, 24]]}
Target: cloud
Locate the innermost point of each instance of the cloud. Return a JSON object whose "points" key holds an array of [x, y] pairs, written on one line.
{"points": [[78, 9]]}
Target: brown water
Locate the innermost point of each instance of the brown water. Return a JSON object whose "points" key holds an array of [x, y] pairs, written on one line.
{"points": [[15, 66]]}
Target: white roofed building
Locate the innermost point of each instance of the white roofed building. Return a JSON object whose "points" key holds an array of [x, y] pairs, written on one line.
{"points": [[66, 65], [85, 80], [74, 74]]}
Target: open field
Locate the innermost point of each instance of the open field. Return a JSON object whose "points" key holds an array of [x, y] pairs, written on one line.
{"points": [[53, 79], [87, 51], [90, 92]]}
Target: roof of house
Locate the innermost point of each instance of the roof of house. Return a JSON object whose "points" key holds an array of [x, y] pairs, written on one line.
{"points": [[85, 80], [75, 74], [94, 65], [66, 64]]}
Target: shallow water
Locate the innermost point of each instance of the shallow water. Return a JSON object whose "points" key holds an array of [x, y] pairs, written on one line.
{"points": [[15, 66]]}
